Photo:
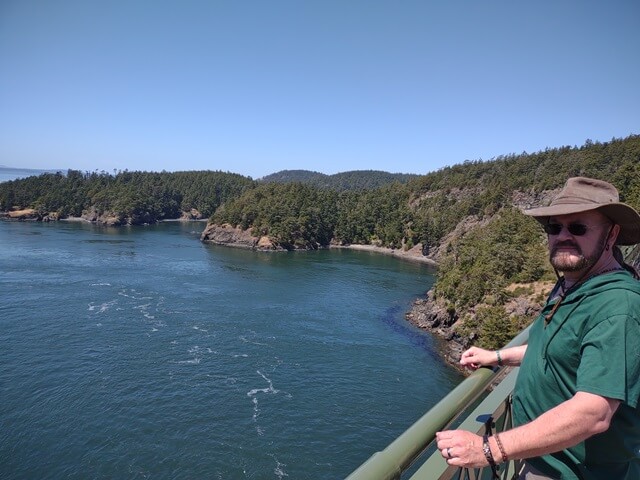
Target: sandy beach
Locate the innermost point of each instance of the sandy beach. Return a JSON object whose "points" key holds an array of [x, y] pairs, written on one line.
{"points": [[413, 255]]}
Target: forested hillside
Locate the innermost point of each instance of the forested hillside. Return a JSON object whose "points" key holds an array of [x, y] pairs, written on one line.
{"points": [[353, 180], [429, 207], [126, 197]]}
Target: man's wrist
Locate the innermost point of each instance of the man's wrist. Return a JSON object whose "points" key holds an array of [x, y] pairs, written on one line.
{"points": [[486, 449]]}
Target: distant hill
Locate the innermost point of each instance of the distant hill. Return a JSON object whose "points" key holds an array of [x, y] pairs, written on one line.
{"points": [[351, 180]]}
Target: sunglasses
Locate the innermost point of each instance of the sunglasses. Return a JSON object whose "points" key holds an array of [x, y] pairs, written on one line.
{"points": [[575, 229]]}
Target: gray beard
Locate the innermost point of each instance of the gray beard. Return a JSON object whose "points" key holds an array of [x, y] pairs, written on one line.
{"points": [[561, 262]]}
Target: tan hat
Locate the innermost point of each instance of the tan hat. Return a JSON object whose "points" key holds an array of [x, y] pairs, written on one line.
{"points": [[581, 194]]}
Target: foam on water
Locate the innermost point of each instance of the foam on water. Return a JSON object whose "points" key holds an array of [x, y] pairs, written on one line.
{"points": [[103, 307], [253, 395], [246, 340], [279, 469]]}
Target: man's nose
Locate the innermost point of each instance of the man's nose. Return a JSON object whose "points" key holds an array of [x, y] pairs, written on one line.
{"points": [[564, 234]]}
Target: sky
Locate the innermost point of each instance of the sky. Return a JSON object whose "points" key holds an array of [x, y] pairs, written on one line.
{"points": [[254, 87]]}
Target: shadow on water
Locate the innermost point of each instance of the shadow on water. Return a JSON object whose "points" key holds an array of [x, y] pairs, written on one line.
{"points": [[393, 318]]}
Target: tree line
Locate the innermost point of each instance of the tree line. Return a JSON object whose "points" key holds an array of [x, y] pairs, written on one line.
{"points": [[352, 180], [140, 197], [418, 210], [425, 209]]}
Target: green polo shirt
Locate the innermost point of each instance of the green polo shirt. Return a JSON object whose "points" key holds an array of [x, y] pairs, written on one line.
{"points": [[592, 344]]}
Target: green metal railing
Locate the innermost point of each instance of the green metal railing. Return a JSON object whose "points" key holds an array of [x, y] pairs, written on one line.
{"points": [[493, 412]]}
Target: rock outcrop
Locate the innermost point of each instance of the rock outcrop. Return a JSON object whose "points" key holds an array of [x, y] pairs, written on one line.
{"points": [[230, 236], [192, 214], [30, 214], [429, 314]]}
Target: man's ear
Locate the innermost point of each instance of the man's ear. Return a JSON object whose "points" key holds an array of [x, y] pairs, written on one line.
{"points": [[613, 235]]}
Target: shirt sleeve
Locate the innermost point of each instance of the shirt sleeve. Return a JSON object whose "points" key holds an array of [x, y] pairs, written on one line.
{"points": [[610, 360]]}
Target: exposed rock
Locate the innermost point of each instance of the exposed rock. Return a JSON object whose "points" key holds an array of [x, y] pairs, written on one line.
{"points": [[465, 225], [90, 215], [112, 219], [230, 236], [30, 214], [51, 217], [430, 314], [192, 214], [25, 214], [106, 218], [531, 199]]}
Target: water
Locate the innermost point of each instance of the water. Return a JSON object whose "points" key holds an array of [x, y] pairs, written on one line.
{"points": [[8, 173], [142, 353]]}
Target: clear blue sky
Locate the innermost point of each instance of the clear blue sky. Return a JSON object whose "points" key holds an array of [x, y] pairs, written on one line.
{"points": [[254, 87]]}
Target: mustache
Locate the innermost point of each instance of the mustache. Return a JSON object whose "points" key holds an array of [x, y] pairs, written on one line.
{"points": [[566, 243]]}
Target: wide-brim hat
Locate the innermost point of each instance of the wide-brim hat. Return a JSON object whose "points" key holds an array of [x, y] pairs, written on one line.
{"points": [[581, 194]]}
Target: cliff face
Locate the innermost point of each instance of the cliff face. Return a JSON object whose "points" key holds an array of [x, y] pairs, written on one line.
{"points": [[230, 236]]}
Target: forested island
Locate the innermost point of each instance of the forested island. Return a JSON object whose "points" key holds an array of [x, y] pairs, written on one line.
{"points": [[492, 275]]}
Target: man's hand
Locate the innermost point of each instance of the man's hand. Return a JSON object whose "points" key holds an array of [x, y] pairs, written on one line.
{"points": [[461, 448], [477, 357]]}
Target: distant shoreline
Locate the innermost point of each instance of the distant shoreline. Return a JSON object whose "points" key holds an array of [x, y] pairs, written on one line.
{"points": [[80, 219], [412, 255]]}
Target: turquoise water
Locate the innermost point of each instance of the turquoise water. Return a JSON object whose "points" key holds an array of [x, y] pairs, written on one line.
{"points": [[143, 353]]}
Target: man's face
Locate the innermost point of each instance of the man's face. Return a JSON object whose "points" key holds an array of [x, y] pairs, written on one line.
{"points": [[573, 252]]}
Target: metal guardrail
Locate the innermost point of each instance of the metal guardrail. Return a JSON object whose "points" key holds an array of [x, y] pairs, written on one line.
{"points": [[404, 451]]}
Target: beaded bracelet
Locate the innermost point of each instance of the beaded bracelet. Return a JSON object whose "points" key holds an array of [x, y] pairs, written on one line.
{"points": [[502, 452], [499, 357]]}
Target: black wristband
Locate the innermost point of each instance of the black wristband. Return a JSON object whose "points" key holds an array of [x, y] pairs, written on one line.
{"points": [[486, 449]]}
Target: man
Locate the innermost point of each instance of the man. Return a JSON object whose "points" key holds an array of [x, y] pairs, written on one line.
{"points": [[576, 400]]}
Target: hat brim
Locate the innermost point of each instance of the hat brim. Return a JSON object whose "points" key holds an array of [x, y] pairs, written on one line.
{"points": [[619, 213]]}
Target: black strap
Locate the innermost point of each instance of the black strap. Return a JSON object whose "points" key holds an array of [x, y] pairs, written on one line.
{"points": [[488, 426]]}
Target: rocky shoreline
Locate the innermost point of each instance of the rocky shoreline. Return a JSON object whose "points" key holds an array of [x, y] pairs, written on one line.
{"points": [[230, 236], [106, 219], [428, 314]]}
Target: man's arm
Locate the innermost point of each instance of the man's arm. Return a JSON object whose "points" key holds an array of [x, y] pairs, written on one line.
{"points": [[565, 425], [477, 357]]}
